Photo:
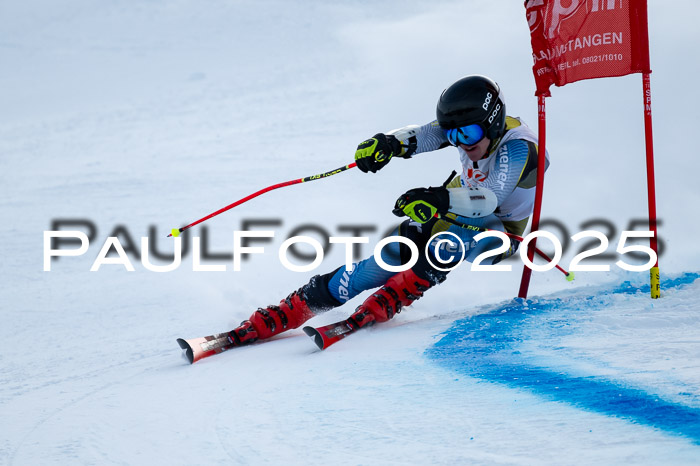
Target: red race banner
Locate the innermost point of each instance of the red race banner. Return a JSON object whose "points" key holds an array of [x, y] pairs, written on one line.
{"points": [[583, 39]]}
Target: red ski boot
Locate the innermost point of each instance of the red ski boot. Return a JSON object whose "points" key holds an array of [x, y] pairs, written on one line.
{"points": [[264, 323], [292, 311], [399, 291]]}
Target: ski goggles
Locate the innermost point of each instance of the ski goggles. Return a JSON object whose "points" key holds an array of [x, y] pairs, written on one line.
{"points": [[467, 135]]}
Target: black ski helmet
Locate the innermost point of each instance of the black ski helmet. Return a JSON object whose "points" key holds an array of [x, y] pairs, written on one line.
{"points": [[472, 100]]}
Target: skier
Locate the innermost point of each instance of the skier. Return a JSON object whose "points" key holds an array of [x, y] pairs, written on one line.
{"points": [[495, 190]]}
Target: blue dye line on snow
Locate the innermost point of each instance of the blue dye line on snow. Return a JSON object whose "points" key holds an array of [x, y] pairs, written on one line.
{"points": [[485, 346]]}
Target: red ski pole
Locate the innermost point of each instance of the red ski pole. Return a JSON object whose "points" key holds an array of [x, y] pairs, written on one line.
{"points": [[177, 231]]}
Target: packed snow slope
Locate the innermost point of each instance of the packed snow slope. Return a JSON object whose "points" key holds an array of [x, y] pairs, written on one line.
{"points": [[128, 119]]}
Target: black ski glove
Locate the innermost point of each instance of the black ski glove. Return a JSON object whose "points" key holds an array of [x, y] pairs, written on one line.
{"points": [[421, 204], [374, 153]]}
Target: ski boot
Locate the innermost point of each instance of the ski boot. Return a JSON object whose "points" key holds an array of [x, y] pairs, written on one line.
{"points": [[291, 312], [399, 291]]}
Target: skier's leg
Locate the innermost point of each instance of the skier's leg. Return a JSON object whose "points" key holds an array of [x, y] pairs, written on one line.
{"points": [[327, 291], [344, 284], [323, 292], [368, 274], [398, 292], [407, 286], [402, 288]]}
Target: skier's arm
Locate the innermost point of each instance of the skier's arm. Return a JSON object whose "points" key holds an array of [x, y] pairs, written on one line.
{"points": [[374, 153], [416, 139]]}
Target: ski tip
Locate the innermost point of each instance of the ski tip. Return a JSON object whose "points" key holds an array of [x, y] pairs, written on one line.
{"points": [[188, 350], [315, 335]]}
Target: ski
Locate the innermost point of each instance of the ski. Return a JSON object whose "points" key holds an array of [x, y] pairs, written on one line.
{"points": [[329, 334], [195, 349], [199, 348]]}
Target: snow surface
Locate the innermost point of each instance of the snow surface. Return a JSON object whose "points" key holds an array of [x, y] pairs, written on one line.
{"points": [[152, 114]]}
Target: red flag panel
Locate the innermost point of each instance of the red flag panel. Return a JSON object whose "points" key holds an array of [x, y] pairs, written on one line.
{"points": [[583, 39]]}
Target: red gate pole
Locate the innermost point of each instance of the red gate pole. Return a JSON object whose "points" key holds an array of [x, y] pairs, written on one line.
{"points": [[541, 163], [651, 185]]}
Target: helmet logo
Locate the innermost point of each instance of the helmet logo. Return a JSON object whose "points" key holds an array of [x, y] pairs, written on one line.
{"points": [[494, 113], [486, 103]]}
